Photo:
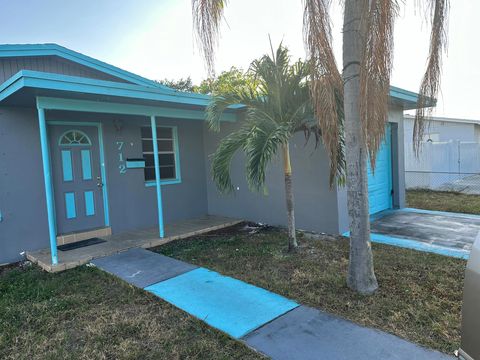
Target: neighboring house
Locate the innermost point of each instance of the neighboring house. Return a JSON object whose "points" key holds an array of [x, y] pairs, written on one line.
{"points": [[449, 158], [442, 129], [76, 153]]}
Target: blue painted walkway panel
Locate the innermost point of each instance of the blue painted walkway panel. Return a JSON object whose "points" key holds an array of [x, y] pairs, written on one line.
{"points": [[225, 303], [380, 181]]}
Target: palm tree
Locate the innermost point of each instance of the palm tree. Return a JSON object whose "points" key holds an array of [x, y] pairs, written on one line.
{"points": [[364, 86], [277, 106]]}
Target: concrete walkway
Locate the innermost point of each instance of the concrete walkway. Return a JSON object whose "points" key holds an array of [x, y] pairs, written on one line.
{"points": [[445, 233], [267, 322]]}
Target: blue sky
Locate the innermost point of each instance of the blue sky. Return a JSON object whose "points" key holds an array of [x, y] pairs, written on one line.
{"points": [[154, 38]]}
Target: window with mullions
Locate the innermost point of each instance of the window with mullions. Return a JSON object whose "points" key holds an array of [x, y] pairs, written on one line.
{"points": [[167, 156]]}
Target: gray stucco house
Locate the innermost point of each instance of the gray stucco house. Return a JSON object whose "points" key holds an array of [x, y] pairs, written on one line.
{"points": [[78, 152]]}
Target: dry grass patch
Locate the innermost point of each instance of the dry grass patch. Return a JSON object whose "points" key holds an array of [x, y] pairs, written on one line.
{"points": [[86, 314], [420, 294], [444, 201]]}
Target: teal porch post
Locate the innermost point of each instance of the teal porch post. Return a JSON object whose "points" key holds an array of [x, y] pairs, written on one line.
{"points": [[48, 184], [157, 176]]}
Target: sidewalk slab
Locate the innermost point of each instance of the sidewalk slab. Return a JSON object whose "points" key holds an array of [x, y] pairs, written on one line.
{"points": [[310, 334], [227, 304], [141, 267]]}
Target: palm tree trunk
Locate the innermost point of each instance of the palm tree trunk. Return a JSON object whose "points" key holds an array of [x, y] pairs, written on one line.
{"points": [[287, 168], [361, 275]]}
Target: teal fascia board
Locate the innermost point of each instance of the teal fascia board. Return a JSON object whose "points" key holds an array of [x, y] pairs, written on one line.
{"points": [[51, 81], [402, 94], [11, 86], [125, 109], [408, 98]]}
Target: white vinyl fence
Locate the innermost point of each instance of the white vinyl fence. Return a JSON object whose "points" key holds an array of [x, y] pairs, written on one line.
{"points": [[446, 166]]}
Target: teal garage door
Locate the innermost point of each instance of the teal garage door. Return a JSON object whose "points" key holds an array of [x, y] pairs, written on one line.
{"points": [[380, 182]]}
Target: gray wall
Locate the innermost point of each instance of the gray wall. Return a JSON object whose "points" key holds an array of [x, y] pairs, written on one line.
{"points": [[131, 204], [316, 205], [22, 196], [51, 64]]}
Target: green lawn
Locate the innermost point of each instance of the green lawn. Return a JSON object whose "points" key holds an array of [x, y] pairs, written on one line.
{"points": [[443, 201], [86, 314], [420, 294]]}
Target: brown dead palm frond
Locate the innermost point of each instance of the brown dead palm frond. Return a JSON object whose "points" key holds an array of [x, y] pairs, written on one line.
{"points": [[207, 17], [326, 83], [376, 68], [430, 85]]}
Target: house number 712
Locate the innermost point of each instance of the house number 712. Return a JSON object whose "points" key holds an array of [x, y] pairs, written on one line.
{"points": [[121, 161]]}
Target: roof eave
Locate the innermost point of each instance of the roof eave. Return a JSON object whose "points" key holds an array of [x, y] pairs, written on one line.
{"points": [[73, 84], [408, 99]]}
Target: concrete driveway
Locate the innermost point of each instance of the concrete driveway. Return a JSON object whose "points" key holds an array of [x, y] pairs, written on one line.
{"points": [[450, 234]]}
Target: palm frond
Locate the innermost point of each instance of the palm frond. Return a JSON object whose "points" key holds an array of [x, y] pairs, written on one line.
{"points": [[222, 158], [207, 17], [375, 71], [278, 104], [263, 143], [326, 81], [430, 85], [216, 108]]}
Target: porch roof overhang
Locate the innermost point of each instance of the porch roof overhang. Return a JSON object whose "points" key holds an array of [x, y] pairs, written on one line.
{"points": [[85, 94]]}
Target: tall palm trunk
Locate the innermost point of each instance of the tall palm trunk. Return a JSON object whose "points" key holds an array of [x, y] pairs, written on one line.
{"points": [[361, 276], [287, 169]]}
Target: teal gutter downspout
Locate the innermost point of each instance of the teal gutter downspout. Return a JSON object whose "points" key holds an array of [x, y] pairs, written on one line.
{"points": [[157, 176], [48, 184]]}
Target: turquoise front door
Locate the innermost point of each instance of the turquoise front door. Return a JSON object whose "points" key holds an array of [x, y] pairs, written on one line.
{"points": [[380, 181], [77, 182]]}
